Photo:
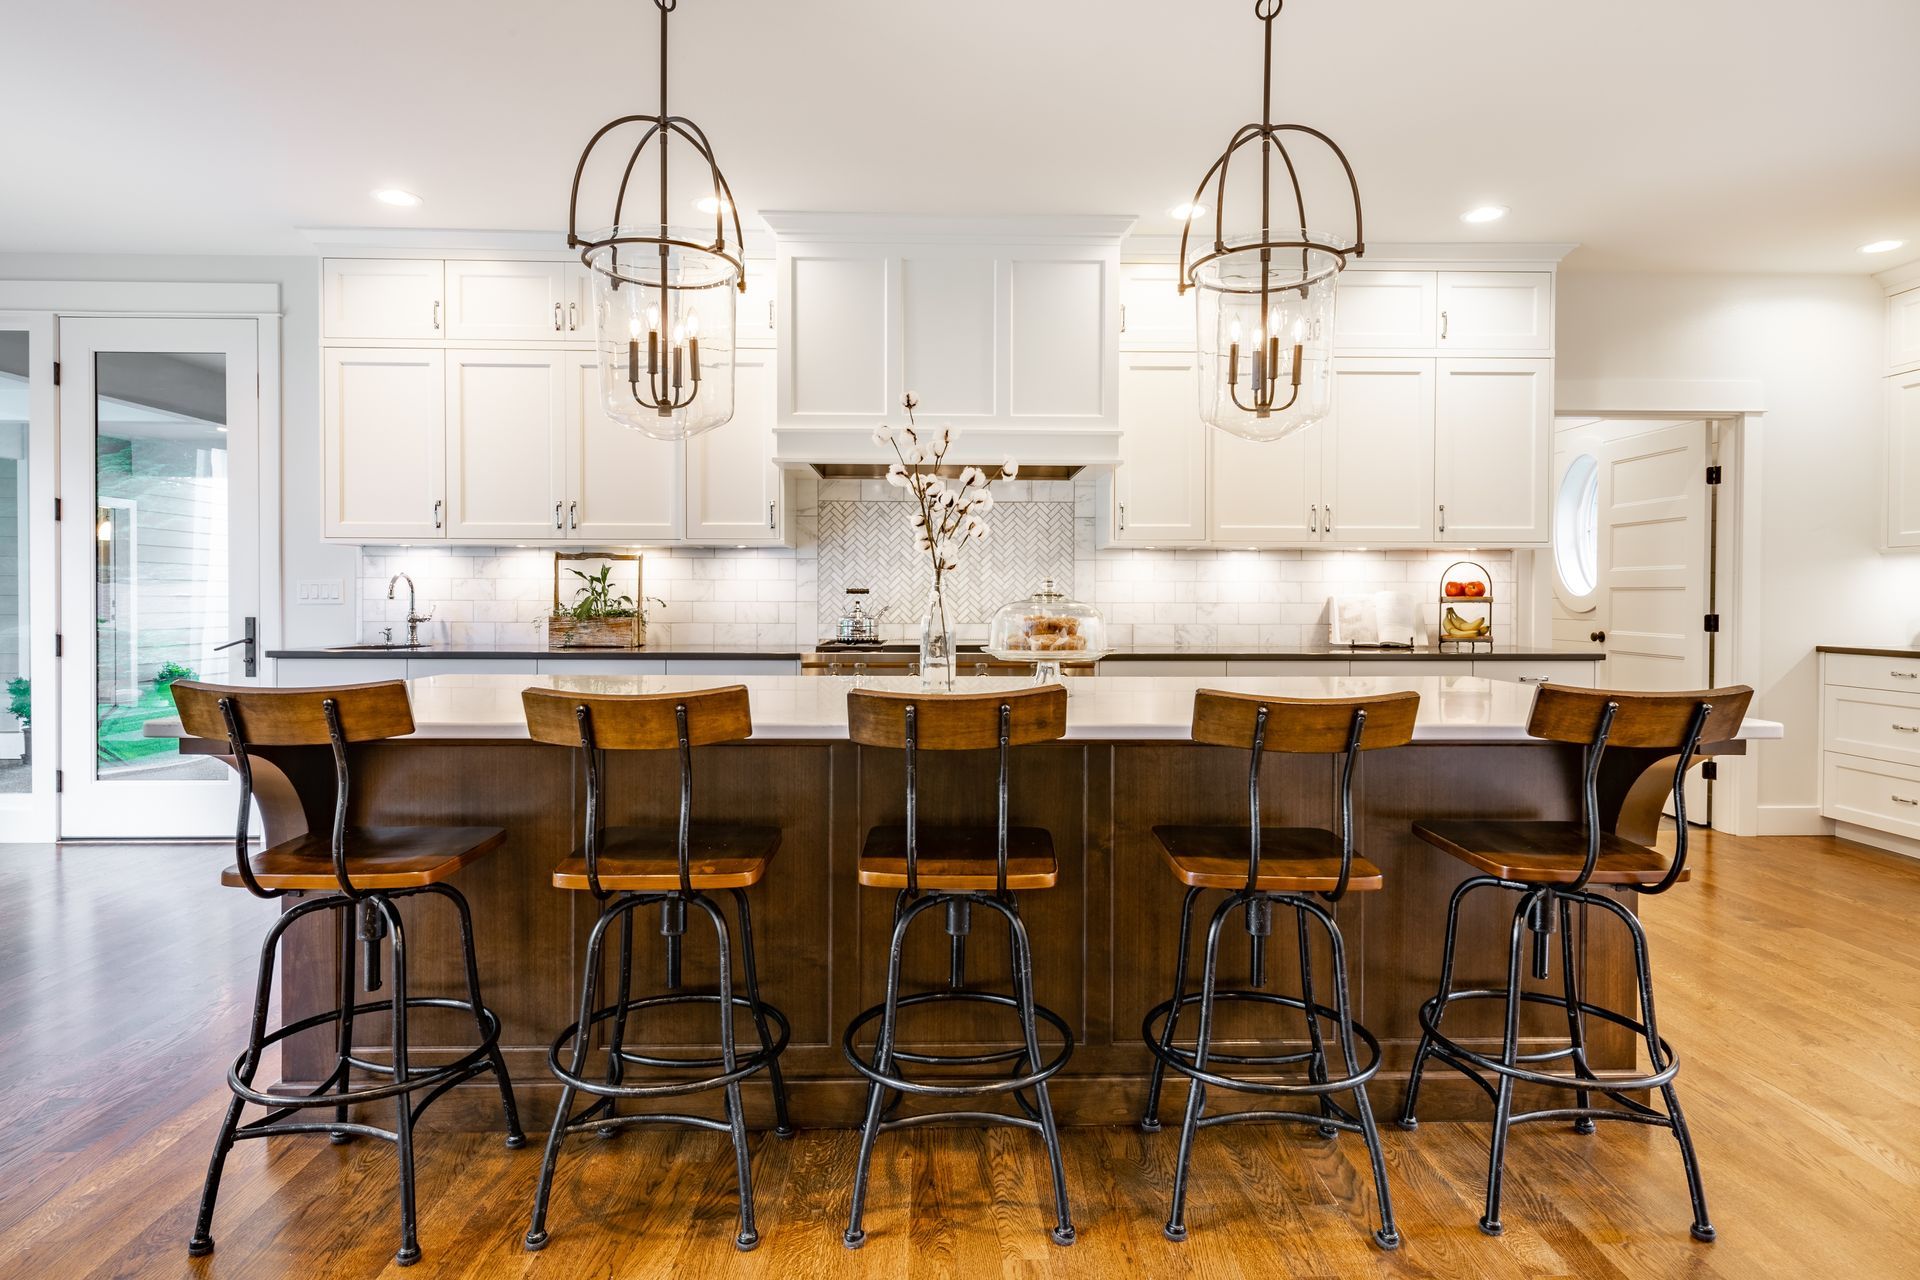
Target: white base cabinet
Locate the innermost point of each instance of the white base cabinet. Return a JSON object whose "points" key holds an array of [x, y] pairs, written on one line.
{"points": [[1870, 747]]}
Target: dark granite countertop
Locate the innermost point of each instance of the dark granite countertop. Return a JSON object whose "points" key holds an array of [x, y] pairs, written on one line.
{"points": [[1866, 652], [1233, 653]]}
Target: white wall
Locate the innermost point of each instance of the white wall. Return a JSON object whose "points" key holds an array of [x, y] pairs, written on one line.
{"points": [[303, 554], [1815, 346]]}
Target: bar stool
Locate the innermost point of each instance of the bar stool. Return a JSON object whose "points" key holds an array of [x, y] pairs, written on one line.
{"points": [[1550, 865], [358, 873], [1262, 867], [626, 868], [956, 869]]}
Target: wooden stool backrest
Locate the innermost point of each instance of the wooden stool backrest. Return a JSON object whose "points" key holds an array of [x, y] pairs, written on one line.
{"points": [[1600, 719], [1317, 726], [596, 723], [245, 716], [957, 721], [639, 721], [295, 717], [1657, 720]]}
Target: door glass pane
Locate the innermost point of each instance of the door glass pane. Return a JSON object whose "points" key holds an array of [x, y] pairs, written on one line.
{"points": [[16, 737], [160, 552]]}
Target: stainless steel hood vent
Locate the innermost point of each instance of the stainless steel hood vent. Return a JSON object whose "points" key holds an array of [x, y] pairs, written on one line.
{"points": [[878, 470]]}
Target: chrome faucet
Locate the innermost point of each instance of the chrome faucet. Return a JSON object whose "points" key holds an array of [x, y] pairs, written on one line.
{"points": [[414, 616]]}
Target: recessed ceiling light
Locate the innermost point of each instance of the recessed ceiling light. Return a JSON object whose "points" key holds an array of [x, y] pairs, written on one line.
{"points": [[1881, 246], [712, 204], [1188, 212], [396, 197], [1485, 213]]}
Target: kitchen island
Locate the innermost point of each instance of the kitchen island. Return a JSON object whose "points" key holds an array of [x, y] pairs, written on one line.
{"points": [[1103, 939]]}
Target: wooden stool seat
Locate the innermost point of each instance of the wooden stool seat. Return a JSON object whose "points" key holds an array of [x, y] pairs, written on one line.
{"points": [[1292, 859], [1545, 852], [377, 858], [644, 859], [959, 859]]}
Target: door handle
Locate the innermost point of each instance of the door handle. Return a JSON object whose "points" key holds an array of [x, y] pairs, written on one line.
{"points": [[249, 663], [573, 515], [1598, 637], [556, 515]]}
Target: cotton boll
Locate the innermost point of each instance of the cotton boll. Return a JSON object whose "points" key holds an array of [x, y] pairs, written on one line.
{"points": [[984, 502], [883, 436], [1009, 469], [897, 476]]}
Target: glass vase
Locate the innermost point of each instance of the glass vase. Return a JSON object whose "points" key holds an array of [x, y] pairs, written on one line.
{"points": [[936, 642]]}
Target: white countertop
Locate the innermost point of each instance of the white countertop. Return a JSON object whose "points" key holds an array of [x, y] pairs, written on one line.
{"points": [[1099, 708]]}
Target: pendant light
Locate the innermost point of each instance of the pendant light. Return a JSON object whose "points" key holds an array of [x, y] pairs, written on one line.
{"points": [[1264, 305], [663, 296]]}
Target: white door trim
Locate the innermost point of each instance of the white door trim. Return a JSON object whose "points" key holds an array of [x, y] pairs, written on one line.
{"points": [[34, 817]]}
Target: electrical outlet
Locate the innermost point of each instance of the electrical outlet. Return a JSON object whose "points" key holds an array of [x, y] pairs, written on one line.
{"points": [[320, 591]]}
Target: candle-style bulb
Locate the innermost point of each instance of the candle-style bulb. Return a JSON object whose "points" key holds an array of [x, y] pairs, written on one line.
{"points": [[693, 323], [633, 328], [1233, 333], [653, 319]]}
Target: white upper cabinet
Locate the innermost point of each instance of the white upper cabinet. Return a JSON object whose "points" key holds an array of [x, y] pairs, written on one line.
{"points": [[1386, 311], [1903, 460], [506, 444], [1495, 312], [733, 487], [1059, 335], [382, 298], [1264, 492], [383, 433], [1903, 331], [622, 484], [1154, 314], [833, 348], [1160, 487], [758, 323], [508, 301], [1377, 451], [1493, 428]]}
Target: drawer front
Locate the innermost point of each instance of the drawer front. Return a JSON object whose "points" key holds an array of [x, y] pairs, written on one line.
{"points": [[1285, 667], [1576, 674], [1885, 797], [1197, 667], [1872, 723], [1863, 672]]}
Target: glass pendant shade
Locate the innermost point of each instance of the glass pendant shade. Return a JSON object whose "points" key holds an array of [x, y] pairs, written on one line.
{"points": [[1265, 337], [664, 313]]}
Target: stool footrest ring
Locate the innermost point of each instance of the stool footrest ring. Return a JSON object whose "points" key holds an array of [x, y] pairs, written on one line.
{"points": [[1182, 1059], [436, 1078], [745, 1063], [1009, 1084], [1463, 1059]]}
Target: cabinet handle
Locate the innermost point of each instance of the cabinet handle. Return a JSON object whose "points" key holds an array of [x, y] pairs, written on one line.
{"points": [[1123, 517], [1313, 518], [770, 523], [573, 317], [770, 324], [1123, 317], [437, 504], [436, 314], [1534, 679], [1906, 728], [556, 317], [1326, 520], [1443, 517], [573, 515], [1443, 326], [556, 515], [1904, 800], [1905, 675]]}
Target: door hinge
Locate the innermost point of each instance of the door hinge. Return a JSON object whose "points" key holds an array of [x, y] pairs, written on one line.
{"points": [[59, 780], [1712, 622], [1713, 474], [59, 644], [56, 373], [1710, 770], [56, 511]]}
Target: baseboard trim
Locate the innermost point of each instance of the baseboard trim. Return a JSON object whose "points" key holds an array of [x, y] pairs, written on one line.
{"points": [[1883, 840], [1792, 820]]}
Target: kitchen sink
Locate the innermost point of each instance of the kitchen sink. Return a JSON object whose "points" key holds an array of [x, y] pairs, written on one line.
{"points": [[364, 648]]}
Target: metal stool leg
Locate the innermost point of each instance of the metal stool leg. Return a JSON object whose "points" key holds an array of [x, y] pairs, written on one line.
{"points": [[590, 973], [1388, 1234], [617, 1037], [1150, 1118], [343, 1040], [748, 1236], [409, 1251], [1317, 1067], [1509, 1055], [1576, 1020], [1176, 1228], [1407, 1118], [1062, 1233], [516, 1137], [855, 1235], [782, 1124]]}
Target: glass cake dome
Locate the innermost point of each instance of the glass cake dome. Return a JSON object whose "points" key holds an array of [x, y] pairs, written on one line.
{"points": [[1047, 629]]}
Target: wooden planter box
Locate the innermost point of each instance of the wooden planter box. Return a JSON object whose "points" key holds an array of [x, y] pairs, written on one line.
{"points": [[595, 633]]}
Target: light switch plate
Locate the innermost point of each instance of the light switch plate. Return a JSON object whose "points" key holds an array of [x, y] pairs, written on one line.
{"points": [[320, 591]]}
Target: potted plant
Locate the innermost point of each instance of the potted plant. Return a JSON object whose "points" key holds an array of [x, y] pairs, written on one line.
{"points": [[14, 742], [599, 614]]}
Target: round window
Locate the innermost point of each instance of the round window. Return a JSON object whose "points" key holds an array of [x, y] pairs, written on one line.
{"points": [[1576, 527]]}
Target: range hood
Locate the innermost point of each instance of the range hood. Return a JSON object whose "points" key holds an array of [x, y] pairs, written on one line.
{"points": [[1006, 329]]}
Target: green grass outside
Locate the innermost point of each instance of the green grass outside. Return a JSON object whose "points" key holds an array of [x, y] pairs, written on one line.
{"points": [[123, 728]]}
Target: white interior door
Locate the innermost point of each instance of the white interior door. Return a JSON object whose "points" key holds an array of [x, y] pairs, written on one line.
{"points": [[1653, 557], [160, 562], [28, 735]]}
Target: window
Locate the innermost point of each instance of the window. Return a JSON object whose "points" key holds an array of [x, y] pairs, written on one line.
{"points": [[1576, 528]]}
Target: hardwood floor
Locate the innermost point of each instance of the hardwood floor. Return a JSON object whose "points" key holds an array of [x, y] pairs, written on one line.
{"points": [[1786, 970]]}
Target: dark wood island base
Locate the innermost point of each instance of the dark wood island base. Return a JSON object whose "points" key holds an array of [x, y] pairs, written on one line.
{"points": [[1103, 941]]}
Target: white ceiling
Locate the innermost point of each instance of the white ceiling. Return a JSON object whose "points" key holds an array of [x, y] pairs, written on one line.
{"points": [[1722, 135]]}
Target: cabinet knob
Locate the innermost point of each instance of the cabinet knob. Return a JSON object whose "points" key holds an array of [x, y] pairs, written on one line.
{"points": [[1598, 637]]}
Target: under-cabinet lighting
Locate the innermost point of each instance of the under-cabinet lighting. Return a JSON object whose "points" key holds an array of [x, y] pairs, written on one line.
{"points": [[1485, 213], [1881, 246], [396, 197]]}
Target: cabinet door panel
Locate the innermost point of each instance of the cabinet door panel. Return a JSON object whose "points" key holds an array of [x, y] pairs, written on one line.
{"points": [[1160, 487], [507, 301], [1386, 311], [834, 352], [757, 322], [733, 487], [1376, 451], [1057, 338], [1903, 331], [384, 474], [1903, 460], [1496, 311], [1493, 427], [382, 298], [622, 484], [1154, 315], [505, 448], [1265, 492]]}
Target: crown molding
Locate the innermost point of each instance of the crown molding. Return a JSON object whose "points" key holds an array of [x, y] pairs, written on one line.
{"points": [[888, 228]]}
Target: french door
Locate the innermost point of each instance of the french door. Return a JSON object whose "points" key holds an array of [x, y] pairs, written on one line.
{"points": [[27, 450], [159, 563]]}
